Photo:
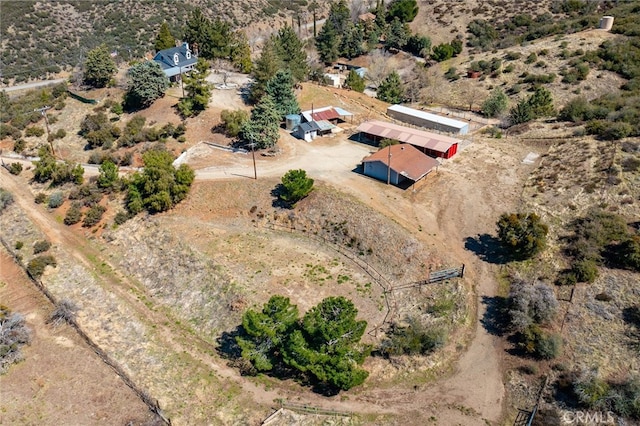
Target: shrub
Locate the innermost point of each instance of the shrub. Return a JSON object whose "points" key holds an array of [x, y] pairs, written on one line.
{"points": [[295, 186], [531, 58], [40, 198], [413, 339], [585, 270], [121, 217], [41, 246], [232, 121], [6, 199], [540, 344], [15, 168], [530, 304], [65, 312], [523, 234], [55, 200], [19, 145], [14, 334], [19, 245], [74, 214], [34, 131], [452, 74], [61, 133], [37, 265], [591, 390], [93, 215]]}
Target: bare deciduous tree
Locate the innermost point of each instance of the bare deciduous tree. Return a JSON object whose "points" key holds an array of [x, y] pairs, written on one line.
{"points": [[380, 66]]}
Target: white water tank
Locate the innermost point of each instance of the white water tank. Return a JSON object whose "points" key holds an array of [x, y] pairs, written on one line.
{"points": [[606, 22]]}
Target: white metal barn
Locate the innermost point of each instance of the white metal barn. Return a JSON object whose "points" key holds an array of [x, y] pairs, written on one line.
{"points": [[427, 120]]}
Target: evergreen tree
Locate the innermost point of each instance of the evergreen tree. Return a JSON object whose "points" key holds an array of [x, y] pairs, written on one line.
{"points": [[147, 83], [397, 34], [352, 41], [262, 129], [391, 89], [164, 39], [197, 89], [521, 113], [240, 52], [295, 186], [292, 54], [219, 39], [355, 82], [99, 67], [108, 175], [328, 43], [265, 331], [265, 68], [404, 10], [442, 52], [280, 89], [197, 32], [328, 345], [523, 234], [541, 102]]}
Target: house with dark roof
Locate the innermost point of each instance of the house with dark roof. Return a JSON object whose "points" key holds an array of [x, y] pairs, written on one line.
{"points": [[307, 131], [399, 163], [176, 61]]}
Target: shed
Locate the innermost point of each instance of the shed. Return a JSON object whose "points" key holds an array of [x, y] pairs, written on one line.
{"points": [[427, 120], [307, 131], [399, 163], [324, 127], [329, 113], [431, 144]]}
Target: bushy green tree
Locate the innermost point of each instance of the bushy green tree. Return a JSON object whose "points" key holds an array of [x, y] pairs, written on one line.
{"points": [[265, 68], [328, 44], [147, 83], [328, 344], [295, 186], [495, 104], [523, 234], [541, 102], [198, 90], [403, 10], [391, 89], [212, 38], [280, 89], [108, 177], [261, 130], [419, 45], [99, 67], [352, 43], [232, 120], [355, 82], [240, 52], [164, 39], [292, 54], [398, 34], [442, 52], [160, 185], [521, 112], [266, 332]]}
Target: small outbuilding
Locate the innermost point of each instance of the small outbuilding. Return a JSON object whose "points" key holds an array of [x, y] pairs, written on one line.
{"points": [[329, 113], [428, 120], [307, 131], [432, 144], [399, 163]]}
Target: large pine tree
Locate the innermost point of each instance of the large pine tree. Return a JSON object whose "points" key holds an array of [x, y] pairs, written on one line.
{"points": [[262, 129], [164, 39], [280, 89], [265, 68], [99, 67], [292, 53]]}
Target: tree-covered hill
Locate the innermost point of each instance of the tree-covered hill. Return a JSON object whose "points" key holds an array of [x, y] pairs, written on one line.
{"points": [[43, 37]]}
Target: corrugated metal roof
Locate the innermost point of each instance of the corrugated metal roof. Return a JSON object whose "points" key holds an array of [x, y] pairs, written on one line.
{"points": [[324, 125], [428, 116], [325, 113], [433, 141], [309, 127], [405, 160]]}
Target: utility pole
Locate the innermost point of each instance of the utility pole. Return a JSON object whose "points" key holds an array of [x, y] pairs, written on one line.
{"points": [[253, 155], [389, 167], [43, 112]]}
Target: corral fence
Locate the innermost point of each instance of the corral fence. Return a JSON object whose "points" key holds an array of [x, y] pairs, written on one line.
{"points": [[153, 404]]}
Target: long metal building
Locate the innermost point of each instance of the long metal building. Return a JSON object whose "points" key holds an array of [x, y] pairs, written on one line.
{"points": [[427, 120]]}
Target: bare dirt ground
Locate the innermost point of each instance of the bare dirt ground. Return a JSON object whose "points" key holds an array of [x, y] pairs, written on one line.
{"points": [[61, 380]]}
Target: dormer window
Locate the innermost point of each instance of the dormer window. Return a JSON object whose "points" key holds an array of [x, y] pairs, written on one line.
{"points": [[188, 54], [176, 58]]}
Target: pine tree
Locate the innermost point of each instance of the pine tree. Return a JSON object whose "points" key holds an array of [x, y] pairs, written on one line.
{"points": [[240, 52], [280, 89], [352, 41], [197, 33], [495, 104], [265, 68], [541, 103], [197, 89], [99, 67], [391, 89], [397, 34], [292, 54], [355, 82], [404, 10], [164, 39], [328, 43], [262, 129]]}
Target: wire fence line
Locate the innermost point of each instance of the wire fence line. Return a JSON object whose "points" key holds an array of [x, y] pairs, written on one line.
{"points": [[151, 403]]}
